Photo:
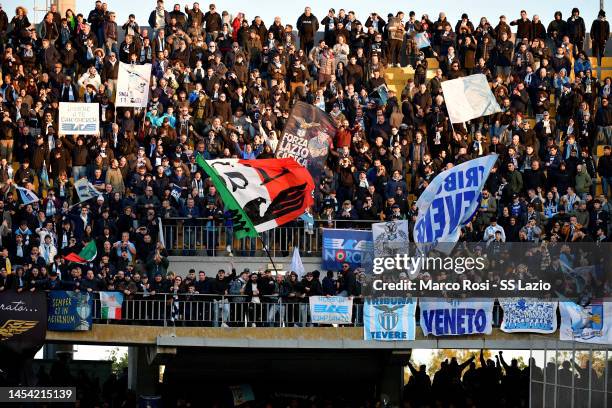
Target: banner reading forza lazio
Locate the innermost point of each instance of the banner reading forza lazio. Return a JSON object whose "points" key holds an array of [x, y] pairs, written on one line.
{"points": [[22, 323], [307, 138], [69, 311], [389, 319], [344, 245], [456, 317], [528, 316], [260, 194]]}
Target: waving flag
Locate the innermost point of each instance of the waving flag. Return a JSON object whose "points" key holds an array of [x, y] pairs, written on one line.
{"points": [[468, 98], [422, 41], [133, 85], [450, 201], [86, 255], [296, 263], [85, 190], [27, 196], [260, 194]]}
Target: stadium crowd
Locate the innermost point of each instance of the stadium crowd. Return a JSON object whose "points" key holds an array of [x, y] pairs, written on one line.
{"points": [[223, 86]]}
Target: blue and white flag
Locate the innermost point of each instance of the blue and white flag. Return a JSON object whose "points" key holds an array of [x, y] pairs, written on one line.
{"points": [[586, 324], [27, 196], [331, 309], [389, 319], [468, 98], [456, 317], [160, 236], [176, 192], [422, 41], [450, 201], [528, 316], [85, 190]]}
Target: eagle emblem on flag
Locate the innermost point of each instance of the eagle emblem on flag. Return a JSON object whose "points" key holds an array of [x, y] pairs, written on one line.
{"points": [[388, 318], [13, 327]]}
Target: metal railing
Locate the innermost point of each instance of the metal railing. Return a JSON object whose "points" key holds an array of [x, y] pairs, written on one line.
{"points": [[204, 310], [570, 378], [195, 237]]}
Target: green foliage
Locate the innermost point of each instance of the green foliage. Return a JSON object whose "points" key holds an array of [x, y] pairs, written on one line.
{"points": [[119, 360]]}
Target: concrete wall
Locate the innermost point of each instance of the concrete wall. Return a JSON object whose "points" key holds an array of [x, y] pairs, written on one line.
{"points": [[210, 264], [345, 338]]}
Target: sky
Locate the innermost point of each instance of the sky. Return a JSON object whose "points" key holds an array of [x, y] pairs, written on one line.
{"points": [[289, 11]]}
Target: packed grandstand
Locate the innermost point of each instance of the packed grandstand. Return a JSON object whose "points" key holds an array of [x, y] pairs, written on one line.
{"points": [[102, 206]]}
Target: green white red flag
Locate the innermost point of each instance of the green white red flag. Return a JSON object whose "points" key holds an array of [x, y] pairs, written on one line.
{"points": [[111, 305], [260, 194], [86, 255]]}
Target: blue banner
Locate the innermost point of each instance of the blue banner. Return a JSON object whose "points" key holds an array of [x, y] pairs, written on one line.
{"points": [[389, 319], [456, 317], [343, 245], [528, 316], [591, 323], [69, 311], [451, 200]]}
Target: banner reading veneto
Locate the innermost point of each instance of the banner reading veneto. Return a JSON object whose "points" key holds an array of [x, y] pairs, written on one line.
{"points": [[456, 317]]}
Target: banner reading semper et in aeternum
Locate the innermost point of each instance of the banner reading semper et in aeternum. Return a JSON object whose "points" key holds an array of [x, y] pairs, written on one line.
{"points": [[69, 311]]}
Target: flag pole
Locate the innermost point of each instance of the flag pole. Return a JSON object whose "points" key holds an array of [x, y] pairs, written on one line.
{"points": [[81, 202], [265, 247]]}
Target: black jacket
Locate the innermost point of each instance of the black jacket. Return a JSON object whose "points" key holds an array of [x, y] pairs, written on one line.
{"points": [[307, 26], [600, 30]]}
